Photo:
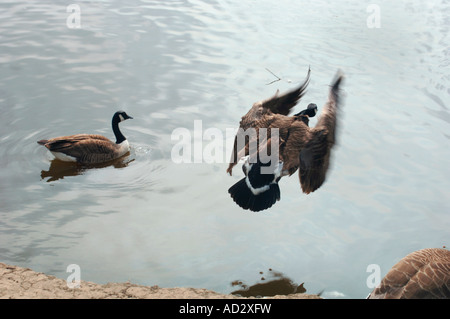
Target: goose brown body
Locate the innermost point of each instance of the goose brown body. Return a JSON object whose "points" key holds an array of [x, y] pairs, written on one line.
{"points": [[423, 274], [301, 147], [90, 148], [86, 148]]}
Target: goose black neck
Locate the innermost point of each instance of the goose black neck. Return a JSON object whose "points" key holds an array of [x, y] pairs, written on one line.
{"points": [[115, 126], [309, 112]]}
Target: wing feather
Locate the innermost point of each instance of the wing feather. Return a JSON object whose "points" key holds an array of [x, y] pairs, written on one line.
{"points": [[86, 148], [282, 104], [314, 157]]}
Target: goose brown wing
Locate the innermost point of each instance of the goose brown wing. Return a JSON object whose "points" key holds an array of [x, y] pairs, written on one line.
{"points": [[282, 104], [60, 144], [314, 161], [84, 147], [95, 150], [315, 155]]}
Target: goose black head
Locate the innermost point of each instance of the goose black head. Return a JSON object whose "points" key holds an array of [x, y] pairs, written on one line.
{"points": [[120, 116], [311, 110]]}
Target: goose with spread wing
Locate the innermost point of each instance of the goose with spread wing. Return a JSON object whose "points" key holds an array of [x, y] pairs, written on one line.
{"points": [[276, 145], [422, 274]]}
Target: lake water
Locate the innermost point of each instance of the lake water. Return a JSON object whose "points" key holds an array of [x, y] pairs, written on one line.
{"points": [[175, 64]]}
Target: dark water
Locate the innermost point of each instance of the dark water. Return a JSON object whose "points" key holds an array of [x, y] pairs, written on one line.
{"points": [[174, 64]]}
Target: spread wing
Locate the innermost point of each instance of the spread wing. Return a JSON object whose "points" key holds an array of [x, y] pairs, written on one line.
{"points": [[315, 155], [282, 104]]}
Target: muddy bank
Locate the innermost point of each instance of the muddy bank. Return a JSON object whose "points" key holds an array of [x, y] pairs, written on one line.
{"points": [[17, 282]]}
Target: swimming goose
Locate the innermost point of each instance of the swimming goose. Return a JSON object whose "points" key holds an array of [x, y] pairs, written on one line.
{"points": [[299, 146], [423, 274], [90, 148]]}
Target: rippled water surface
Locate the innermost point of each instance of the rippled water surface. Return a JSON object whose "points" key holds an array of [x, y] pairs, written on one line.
{"points": [[175, 64]]}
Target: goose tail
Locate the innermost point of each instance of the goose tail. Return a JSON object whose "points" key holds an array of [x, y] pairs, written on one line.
{"points": [[42, 142], [246, 199]]}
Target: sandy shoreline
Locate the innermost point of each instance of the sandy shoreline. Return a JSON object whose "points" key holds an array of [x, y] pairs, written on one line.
{"points": [[24, 283]]}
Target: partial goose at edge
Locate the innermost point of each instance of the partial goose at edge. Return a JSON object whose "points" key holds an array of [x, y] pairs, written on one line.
{"points": [[423, 274]]}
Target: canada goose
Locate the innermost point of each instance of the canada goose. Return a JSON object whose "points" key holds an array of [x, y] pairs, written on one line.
{"points": [[90, 148], [299, 146], [423, 274]]}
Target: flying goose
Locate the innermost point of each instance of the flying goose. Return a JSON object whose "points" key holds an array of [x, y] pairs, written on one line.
{"points": [[423, 274], [299, 147], [90, 148]]}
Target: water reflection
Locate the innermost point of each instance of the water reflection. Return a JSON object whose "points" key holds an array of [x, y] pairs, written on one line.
{"points": [[60, 169], [278, 284]]}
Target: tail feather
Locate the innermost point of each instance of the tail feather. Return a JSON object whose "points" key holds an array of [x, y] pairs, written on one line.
{"points": [[243, 196], [42, 142]]}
